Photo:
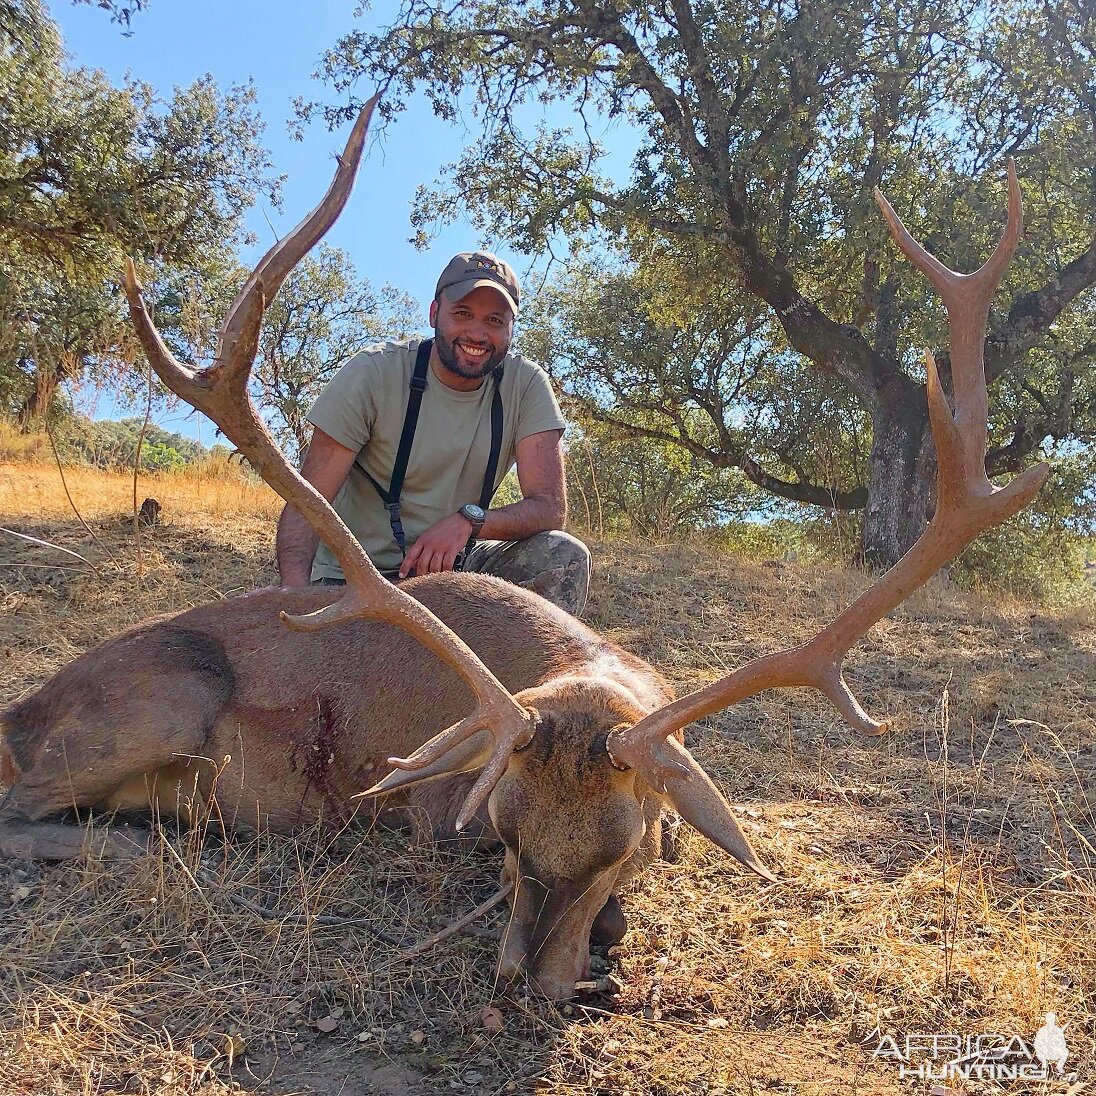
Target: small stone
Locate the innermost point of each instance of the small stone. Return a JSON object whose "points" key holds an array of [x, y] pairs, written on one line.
{"points": [[327, 1024], [418, 1037], [492, 1019], [234, 1046]]}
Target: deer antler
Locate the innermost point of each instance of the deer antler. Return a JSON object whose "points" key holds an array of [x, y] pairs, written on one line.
{"points": [[220, 391], [967, 504]]}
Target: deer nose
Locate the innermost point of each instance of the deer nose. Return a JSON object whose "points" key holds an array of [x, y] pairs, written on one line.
{"points": [[610, 925]]}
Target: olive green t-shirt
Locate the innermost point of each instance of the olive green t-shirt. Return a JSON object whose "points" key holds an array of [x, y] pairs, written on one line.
{"points": [[363, 408]]}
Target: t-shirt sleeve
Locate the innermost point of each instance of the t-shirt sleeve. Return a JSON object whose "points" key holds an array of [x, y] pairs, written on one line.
{"points": [[538, 410], [345, 409]]}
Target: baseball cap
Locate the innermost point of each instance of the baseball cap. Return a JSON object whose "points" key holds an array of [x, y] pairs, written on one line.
{"points": [[471, 269]]}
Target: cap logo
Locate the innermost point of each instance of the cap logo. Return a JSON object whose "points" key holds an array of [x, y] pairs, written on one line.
{"points": [[482, 262]]}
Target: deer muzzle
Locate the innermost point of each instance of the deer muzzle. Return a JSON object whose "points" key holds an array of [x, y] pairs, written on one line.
{"points": [[548, 938]]}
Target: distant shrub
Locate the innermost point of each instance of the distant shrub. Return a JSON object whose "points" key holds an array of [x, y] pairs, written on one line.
{"points": [[1040, 553], [651, 488], [112, 444], [157, 457], [753, 539]]}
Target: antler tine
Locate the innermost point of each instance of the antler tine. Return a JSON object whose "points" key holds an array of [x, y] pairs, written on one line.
{"points": [[967, 504], [275, 265], [220, 391], [967, 299]]}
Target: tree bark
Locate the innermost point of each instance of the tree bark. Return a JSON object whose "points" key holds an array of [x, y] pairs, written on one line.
{"points": [[901, 475], [37, 404]]}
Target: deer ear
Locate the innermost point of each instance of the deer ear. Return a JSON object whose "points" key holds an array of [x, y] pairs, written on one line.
{"points": [[702, 805], [472, 753]]}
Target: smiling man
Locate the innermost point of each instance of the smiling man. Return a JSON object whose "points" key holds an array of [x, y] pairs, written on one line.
{"points": [[411, 439]]}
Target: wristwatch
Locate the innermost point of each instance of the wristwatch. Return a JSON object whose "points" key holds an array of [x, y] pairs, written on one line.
{"points": [[475, 515]]}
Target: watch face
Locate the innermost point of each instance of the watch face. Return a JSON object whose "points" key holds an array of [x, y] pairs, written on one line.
{"points": [[472, 512]]}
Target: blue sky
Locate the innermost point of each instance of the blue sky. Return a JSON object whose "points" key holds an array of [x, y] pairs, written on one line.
{"points": [[277, 44]]}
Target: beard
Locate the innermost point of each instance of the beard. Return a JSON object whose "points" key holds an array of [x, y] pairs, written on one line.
{"points": [[448, 356]]}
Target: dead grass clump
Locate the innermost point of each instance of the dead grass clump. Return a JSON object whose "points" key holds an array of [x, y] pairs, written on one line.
{"points": [[939, 879], [18, 446], [159, 969]]}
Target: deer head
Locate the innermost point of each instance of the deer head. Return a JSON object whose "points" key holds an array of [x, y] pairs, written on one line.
{"points": [[573, 773]]}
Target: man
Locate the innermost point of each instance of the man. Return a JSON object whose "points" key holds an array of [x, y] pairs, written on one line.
{"points": [[482, 409]]}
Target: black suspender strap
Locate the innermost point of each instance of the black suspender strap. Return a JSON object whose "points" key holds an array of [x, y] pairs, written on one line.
{"points": [[391, 497], [492, 463], [496, 442]]}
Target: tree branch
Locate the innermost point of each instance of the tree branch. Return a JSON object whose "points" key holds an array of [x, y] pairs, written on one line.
{"points": [[1033, 313], [829, 498]]}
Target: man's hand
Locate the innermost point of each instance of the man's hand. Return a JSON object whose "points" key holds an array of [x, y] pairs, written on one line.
{"points": [[438, 547]]}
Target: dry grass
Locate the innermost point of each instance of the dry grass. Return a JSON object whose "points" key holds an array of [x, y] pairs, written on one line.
{"points": [[203, 491], [939, 879]]}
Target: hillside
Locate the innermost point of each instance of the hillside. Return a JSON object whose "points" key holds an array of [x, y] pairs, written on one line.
{"points": [[940, 879]]}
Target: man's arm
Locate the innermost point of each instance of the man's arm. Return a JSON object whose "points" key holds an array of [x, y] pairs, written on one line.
{"points": [[544, 506], [544, 502], [326, 466]]}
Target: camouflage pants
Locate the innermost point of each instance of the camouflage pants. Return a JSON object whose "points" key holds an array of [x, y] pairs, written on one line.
{"points": [[555, 565]]}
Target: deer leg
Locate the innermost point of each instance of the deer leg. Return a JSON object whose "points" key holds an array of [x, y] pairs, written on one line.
{"points": [[28, 839], [72, 756]]}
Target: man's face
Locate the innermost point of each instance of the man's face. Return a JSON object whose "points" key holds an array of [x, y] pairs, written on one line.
{"points": [[473, 334]]}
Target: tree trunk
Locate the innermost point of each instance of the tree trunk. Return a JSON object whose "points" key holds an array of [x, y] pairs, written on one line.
{"points": [[901, 475], [36, 406]]}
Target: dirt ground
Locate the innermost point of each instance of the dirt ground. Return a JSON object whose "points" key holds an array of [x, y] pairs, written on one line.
{"points": [[938, 880]]}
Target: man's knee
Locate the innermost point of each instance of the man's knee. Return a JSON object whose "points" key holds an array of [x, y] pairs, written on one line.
{"points": [[554, 564]]}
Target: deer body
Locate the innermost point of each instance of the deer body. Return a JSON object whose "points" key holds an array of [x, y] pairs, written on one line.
{"points": [[287, 725], [223, 707]]}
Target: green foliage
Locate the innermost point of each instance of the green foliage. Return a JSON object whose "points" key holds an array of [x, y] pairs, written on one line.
{"points": [[112, 445], [743, 257], [1042, 551], [89, 174], [638, 349], [624, 484], [768, 540]]}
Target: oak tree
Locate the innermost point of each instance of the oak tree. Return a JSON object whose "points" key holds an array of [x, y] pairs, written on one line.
{"points": [[90, 173]]}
